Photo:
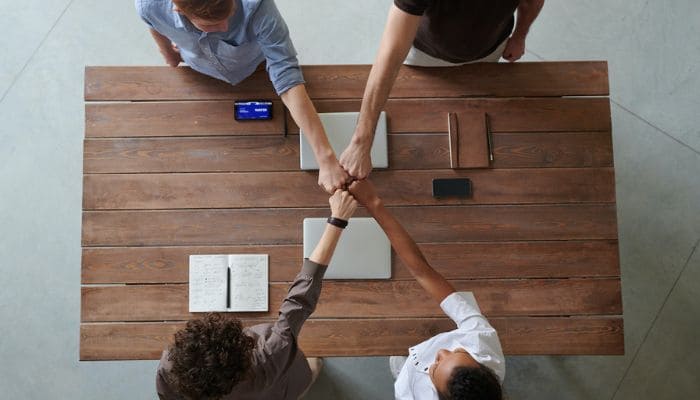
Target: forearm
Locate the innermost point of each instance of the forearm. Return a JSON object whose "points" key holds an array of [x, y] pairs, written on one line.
{"points": [[163, 43], [396, 40], [408, 251], [323, 252], [528, 10], [304, 114]]}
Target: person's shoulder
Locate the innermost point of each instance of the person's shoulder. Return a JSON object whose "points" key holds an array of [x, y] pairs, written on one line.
{"points": [[413, 7], [251, 6], [153, 8]]}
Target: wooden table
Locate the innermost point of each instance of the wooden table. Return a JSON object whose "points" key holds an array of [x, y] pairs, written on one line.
{"points": [[169, 173]]}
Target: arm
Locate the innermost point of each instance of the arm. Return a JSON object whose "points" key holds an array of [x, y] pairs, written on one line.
{"points": [[434, 283], [272, 34], [330, 175], [401, 28], [167, 49], [306, 288], [528, 10]]}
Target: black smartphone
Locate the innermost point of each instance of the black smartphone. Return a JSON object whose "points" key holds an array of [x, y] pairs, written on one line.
{"points": [[252, 110], [452, 187]]}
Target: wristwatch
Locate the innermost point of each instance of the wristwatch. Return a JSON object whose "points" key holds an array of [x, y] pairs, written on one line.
{"points": [[340, 223]]}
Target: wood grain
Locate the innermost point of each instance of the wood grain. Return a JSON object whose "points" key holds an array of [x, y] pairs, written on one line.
{"points": [[266, 153], [348, 81], [291, 189], [452, 260], [205, 118], [381, 299], [432, 224], [328, 338]]}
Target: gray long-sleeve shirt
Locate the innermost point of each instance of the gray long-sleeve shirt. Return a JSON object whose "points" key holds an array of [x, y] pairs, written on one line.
{"points": [[279, 368]]}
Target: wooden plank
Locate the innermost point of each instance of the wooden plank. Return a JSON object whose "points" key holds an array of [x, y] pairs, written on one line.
{"points": [[453, 260], [207, 118], [283, 226], [348, 81], [266, 153], [263, 153], [518, 150], [505, 115], [374, 337], [291, 189], [518, 297]]}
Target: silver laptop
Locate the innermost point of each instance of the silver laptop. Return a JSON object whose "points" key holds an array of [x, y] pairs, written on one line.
{"points": [[339, 129], [363, 251]]}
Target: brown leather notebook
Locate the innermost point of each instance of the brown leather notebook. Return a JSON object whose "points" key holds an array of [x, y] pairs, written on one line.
{"points": [[469, 142]]}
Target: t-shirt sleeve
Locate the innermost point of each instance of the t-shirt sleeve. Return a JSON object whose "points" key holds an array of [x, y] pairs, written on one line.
{"points": [[272, 34], [415, 7]]}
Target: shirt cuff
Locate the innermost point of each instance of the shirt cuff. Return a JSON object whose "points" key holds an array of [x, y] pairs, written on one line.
{"points": [[312, 269], [288, 79]]}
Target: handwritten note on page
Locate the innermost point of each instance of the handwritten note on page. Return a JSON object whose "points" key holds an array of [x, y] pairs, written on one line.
{"points": [[208, 282]]}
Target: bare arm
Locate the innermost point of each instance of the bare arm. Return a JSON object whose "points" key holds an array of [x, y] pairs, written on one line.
{"points": [[169, 52], [330, 175], [528, 10], [343, 205], [400, 30], [434, 283]]}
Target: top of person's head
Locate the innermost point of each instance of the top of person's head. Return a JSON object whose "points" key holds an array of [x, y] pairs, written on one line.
{"points": [[209, 10], [209, 357], [472, 383]]}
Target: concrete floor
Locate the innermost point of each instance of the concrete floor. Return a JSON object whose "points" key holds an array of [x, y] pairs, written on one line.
{"points": [[654, 57]]}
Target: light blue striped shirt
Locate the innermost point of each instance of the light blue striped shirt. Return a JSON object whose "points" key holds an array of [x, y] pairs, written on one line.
{"points": [[256, 33]]}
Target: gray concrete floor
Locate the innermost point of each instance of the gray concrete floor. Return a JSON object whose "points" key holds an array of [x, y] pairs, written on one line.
{"points": [[654, 57]]}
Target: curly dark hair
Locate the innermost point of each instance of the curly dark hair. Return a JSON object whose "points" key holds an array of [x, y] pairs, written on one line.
{"points": [[473, 383], [209, 357]]}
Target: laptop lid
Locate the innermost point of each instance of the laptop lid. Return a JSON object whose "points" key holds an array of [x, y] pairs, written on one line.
{"points": [[339, 128], [363, 251]]}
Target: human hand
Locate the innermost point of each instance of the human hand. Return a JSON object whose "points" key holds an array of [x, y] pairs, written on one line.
{"points": [[343, 204], [515, 48], [172, 56], [365, 193], [356, 160], [331, 177]]}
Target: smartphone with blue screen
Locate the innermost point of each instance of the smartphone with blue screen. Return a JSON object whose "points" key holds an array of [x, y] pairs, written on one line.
{"points": [[252, 110]]}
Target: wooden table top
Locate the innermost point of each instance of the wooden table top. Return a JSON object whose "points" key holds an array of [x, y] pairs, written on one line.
{"points": [[169, 173]]}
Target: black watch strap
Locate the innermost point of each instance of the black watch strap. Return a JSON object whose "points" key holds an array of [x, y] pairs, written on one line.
{"points": [[340, 223]]}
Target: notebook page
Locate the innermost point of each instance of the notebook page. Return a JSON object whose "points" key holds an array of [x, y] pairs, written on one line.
{"points": [[208, 282], [249, 282]]}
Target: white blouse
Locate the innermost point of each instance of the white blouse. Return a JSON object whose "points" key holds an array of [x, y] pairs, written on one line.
{"points": [[473, 333]]}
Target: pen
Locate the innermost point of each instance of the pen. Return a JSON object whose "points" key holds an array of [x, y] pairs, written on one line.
{"points": [[488, 137], [228, 288]]}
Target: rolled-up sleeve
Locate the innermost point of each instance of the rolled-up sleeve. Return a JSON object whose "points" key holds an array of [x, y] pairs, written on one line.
{"points": [[463, 309], [301, 300], [273, 36], [142, 11]]}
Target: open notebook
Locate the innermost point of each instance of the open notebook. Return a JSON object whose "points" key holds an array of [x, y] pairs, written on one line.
{"points": [[339, 127], [229, 282]]}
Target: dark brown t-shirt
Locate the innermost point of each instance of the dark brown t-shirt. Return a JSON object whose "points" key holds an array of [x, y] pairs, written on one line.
{"points": [[461, 30]]}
